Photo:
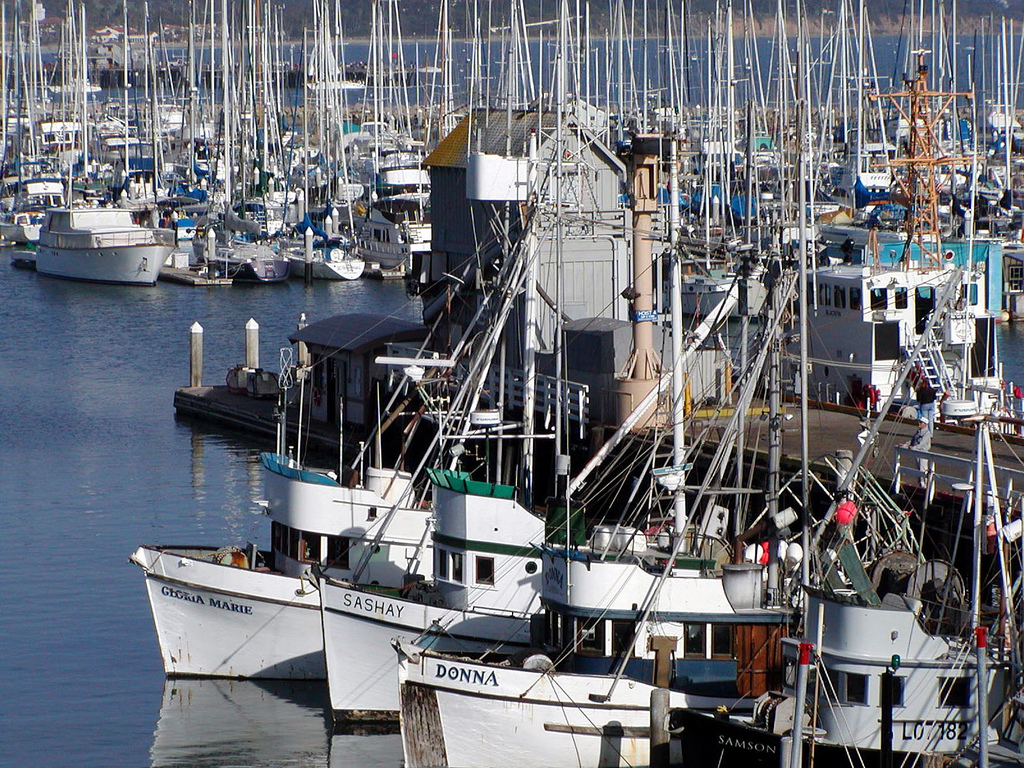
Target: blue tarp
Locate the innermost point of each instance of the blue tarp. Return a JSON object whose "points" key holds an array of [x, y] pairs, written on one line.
{"points": [[307, 223]]}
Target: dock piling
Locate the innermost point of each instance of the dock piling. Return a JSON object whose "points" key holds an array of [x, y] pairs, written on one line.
{"points": [[659, 728], [307, 250], [252, 344], [195, 368]]}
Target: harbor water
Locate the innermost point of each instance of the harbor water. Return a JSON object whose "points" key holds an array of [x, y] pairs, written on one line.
{"points": [[95, 463]]}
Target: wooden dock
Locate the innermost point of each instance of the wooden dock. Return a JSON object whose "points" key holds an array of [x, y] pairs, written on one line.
{"points": [[830, 429], [191, 277]]}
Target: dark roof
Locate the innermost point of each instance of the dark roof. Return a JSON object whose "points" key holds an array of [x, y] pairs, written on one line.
{"points": [[358, 332]]}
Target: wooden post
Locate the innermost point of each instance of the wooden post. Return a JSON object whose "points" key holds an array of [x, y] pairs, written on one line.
{"points": [[195, 347], [252, 344], [659, 728]]}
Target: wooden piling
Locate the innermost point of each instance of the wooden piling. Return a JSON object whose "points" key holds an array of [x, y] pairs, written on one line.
{"points": [[195, 368], [659, 728]]}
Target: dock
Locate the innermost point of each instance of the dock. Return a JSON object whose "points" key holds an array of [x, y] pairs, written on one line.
{"points": [[191, 277], [830, 428], [376, 272]]}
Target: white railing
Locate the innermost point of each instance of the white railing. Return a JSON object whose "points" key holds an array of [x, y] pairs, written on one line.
{"points": [[936, 472]]}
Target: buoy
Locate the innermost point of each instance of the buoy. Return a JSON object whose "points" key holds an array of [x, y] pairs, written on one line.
{"points": [[846, 512]]}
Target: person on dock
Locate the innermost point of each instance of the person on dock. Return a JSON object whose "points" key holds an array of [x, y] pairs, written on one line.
{"points": [[925, 401]]}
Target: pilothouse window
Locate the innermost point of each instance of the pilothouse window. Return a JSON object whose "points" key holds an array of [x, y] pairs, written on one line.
{"points": [[485, 570]]}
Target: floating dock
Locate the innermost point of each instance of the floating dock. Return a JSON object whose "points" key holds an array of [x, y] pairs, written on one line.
{"points": [[191, 277]]}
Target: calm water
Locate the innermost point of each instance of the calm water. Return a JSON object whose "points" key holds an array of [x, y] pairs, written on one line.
{"points": [[94, 463]]}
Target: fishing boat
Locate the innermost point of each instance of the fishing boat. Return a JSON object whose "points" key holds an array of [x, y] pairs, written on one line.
{"points": [[101, 245], [484, 590], [243, 612]]}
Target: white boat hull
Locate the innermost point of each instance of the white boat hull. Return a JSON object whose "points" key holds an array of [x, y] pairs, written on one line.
{"points": [[359, 626], [340, 269], [473, 715], [223, 621], [127, 264]]}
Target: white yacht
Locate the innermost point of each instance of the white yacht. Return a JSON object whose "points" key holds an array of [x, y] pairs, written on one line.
{"points": [[395, 228], [102, 245]]}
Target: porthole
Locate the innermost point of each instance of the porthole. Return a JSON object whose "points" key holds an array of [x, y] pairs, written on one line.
{"points": [[531, 567]]}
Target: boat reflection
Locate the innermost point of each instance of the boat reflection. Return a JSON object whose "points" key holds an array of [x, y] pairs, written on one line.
{"points": [[259, 723], [217, 722]]}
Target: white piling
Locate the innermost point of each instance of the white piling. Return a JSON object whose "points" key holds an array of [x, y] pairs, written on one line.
{"points": [[303, 349], [252, 344], [195, 369]]}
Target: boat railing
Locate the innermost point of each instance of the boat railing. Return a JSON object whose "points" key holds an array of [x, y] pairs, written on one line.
{"points": [[114, 239]]}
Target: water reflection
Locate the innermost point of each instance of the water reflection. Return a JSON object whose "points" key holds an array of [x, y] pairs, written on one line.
{"points": [[242, 722], [259, 723]]}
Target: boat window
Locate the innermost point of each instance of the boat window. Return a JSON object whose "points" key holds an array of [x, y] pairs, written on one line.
{"points": [[887, 341], [554, 629], [693, 640], [823, 294], [307, 546], [973, 298], [954, 692], [442, 562], [457, 566], [855, 298], [278, 537], [721, 641], [923, 308], [839, 297], [901, 298], [337, 552], [897, 692], [622, 637], [878, 299], [485, 570], [591, 636], [856, 688]]}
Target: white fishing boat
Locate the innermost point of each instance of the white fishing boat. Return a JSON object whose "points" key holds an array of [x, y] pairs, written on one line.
{"points": [[242, 612], [101, 245], [485, 589]]}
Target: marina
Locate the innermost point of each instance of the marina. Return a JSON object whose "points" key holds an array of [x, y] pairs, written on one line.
{"points": [[596, 391]]}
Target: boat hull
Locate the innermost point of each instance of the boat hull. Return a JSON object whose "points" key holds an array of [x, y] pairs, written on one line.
{"points": [[468, 714], [341, 269], [125, 264], [359, 626], [219, 620]]}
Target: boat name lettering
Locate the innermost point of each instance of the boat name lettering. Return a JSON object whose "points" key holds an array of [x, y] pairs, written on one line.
{"points": [[181, 594], [463, 675], [933, 730], [554, 578], [227, 605], [371, 605], [752, 746]]}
